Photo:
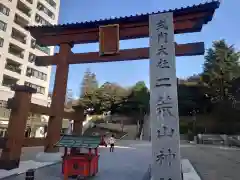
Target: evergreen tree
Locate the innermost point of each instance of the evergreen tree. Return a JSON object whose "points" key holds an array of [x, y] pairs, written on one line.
{"points": [[221, 66], [88, 90], [89, 83]]}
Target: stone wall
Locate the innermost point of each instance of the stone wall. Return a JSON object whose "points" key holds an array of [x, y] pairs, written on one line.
{"points": [[126, 119]]}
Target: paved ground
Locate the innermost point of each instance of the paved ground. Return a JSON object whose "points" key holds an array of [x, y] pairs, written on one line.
{"points": [[214, 163], [211, 162], [124, 164]]}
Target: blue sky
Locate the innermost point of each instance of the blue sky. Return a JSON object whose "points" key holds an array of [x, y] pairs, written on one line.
{"points": [[224, 25]]}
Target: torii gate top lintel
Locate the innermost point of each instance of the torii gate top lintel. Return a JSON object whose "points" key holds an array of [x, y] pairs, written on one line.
{"points": [[189, 19], [109, 32]]}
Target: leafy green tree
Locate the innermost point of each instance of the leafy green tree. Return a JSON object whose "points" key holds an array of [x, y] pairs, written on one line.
{"points": [[136, 104], [140, 96], [137, 100], [88, 90], [110, 95], [221, 66], [192, 96], [105, 98]]}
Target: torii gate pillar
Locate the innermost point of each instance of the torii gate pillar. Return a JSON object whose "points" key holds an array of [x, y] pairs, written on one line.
{"points": [[58, 99]]}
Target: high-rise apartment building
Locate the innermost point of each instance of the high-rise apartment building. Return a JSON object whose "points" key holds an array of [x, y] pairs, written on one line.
{"points": [[18, 50]]}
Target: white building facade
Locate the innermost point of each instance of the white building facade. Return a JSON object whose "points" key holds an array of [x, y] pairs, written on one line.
{"points": [[18, 49]]}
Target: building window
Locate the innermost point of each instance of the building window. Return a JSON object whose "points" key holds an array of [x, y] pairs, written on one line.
{"points": [[52, 3], [35, 73], [33, 43], [1, 42], [1, 133], [41, 20], [13, 66], [3, 25], [44, 49], [3, 104], [40, 89], [29, 72], [4, 9], [45, 77], [42, 8], [30, 1], [31, 57]]}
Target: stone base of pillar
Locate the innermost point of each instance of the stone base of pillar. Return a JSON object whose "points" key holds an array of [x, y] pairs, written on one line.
{"points": [[188, 171], [9, 164], [49, 157]]}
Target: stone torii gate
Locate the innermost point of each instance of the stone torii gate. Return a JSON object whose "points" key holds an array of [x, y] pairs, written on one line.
{"points": [[108, 33]]}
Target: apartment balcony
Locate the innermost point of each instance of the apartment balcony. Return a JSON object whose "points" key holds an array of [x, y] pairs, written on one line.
{"points": [[21, 21], [14, 58], [16, 51], [9, 81], [46, 50], [31, 58], [4, 113], [45, 10], [29, 1], [40, 20], [32, 118], [22, 7], [19, 36], [13, 66], [51, 3]]}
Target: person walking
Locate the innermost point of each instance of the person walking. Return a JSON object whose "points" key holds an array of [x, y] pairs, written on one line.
{"points": [[112, 142]]}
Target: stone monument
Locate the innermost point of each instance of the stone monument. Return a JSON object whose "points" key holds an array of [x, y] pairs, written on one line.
{"points": [[163, 99]]}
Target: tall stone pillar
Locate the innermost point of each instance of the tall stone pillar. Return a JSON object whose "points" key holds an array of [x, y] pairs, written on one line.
{"points": [[163, 99], [58, 99], [20, 105]]}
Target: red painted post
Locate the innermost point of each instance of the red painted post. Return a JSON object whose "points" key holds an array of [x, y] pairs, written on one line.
{"points": [[20, 105], [58, 99]]}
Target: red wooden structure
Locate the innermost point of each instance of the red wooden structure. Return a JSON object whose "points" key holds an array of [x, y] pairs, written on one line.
{"points": [[103, 141], [108, 32], [186, 20], [78, 162]]}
